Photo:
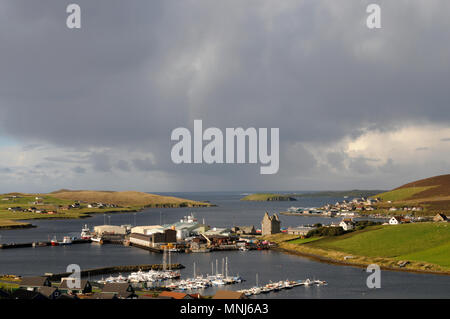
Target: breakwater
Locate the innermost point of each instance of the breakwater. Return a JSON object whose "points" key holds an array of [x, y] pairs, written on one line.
{"points": [[38, 244], [115, 269]]}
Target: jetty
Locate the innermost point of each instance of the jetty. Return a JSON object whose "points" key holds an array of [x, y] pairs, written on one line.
{"points": [[114, 269], [38, 244]]}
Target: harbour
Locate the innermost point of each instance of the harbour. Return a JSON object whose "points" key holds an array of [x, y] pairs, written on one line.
{"points": [[270, 265]]}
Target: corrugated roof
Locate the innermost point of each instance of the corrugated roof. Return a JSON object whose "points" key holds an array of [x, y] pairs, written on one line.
{"points": [[175, 295], [34, 281], [228, 294]]}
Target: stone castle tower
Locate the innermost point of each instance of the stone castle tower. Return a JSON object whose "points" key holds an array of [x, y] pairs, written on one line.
{"points": [[270, 224]]}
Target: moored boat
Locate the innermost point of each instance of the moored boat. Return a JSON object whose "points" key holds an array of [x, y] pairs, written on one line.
{"points": [[54, 242], [66, 241], [85, 233]]}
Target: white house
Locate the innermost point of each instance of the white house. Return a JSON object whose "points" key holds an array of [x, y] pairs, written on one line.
{"points": [[395, 220], [346, 224]]}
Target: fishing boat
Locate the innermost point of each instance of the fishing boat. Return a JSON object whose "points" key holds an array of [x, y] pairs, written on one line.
{"points": [[54, 242], [66, 241], [86, 233]]}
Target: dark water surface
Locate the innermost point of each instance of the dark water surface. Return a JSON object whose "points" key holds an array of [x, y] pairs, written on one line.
{"points": [[344, 282]]}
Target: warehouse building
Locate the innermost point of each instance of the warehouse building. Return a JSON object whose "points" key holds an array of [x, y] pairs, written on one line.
{"points": [[110, 229], [153, 240]]}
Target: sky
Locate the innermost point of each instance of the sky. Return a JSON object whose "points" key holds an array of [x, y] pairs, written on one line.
{"points": [[94, 108]]}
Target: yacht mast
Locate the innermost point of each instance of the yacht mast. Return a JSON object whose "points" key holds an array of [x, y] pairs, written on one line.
{"points": [[195, 275], [226, 267]]}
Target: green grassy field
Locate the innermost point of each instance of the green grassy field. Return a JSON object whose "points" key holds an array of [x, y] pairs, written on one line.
{"points": [[303, 240], [126, 201], [422, 242], [402, 193]]}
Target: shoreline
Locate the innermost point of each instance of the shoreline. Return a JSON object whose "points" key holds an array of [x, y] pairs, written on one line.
{"points": [[332, 261], [83, 215], [18, 226]]}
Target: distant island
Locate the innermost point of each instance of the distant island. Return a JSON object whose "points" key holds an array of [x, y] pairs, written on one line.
{"points": [[15, 207], [268, 197]]}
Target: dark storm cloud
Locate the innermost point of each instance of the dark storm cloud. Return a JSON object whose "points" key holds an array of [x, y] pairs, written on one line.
{"points": [[101, 162], [360, 165], [138, 69], [145, 164], [123, 165], [79, 170]]}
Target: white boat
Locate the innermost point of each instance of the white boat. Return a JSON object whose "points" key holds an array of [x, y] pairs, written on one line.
{"points": [[320, 282], [85, 232], [66, 241], [96, 239], [255, 290], [110, 279], [307, 282], [189, 219]]}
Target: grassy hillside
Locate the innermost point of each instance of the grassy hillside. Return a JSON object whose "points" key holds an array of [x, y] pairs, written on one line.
{"points": [[268, 197], [426, 246], [428, 188], [128, 198], [432, 194], [402, 193], [57, 201], [421, 242], [393, 241]]}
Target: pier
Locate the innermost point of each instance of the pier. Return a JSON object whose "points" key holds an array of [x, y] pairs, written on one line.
{"points": [[115, 269], [39, 244]]}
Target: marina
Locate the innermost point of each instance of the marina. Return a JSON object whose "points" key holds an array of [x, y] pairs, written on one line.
{"points": [[98, 260], [280, 285]]}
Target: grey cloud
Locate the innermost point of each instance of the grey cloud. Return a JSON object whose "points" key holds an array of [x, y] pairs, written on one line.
{"points": [[123, 165], [137, 70], [63, 159], [336, 160], [144, 164], [101, 162], [79, 170], [360, 165]]}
